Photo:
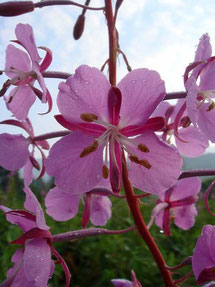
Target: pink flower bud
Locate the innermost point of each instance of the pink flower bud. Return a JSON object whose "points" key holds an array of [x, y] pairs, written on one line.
{"points": [[14, 8]]}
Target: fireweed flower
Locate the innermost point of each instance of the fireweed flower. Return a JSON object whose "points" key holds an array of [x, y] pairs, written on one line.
{"points": [[33, 265], [203, 261], [191, 141], [177, 203], [127, 283], [24, 69], [15, 150], [111, 119], [199, 100], [63, 206]]}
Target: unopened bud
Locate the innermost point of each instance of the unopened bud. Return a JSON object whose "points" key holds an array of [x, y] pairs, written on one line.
{"points": [[89, 149], [143, 148], [15, 8], [105, 172], [79, 27], [88, 117]]}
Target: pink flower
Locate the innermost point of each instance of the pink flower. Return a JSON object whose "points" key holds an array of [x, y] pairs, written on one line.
{"points": [[127, 283], [111, 119], [63, 206], [14, 150], [199, 100], [191, 141], [33, 265], [24, 69], [178, 203], [203, 261]]}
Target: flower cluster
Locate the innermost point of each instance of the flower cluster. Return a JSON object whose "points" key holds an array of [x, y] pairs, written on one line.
{"points": [[115, 137]]}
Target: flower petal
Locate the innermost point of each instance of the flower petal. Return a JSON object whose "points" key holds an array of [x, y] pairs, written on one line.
{"points": [[61, 205], [122, 283], [204, 49], [185, 216], [85, 92], [13, 151], [23, 98], [100, 210], [203, 257], [185, 188], [142, 90], [33, 205], [191, 100], [206, 121], [165, 165], [195, 142], [64, 162], [25, 36], [37, 262], [16, 58]]}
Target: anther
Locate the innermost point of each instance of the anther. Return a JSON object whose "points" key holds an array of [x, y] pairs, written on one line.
{"points": [[145, 163], [105, 171], [88, 117], [185, 122], [143, 148], [134, 158], [93, 147], [211, 107]]}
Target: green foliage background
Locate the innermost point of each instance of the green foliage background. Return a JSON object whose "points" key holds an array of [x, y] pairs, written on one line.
{"points": [[94, 261]]}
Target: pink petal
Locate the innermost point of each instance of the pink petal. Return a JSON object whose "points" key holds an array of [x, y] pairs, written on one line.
{"points": [[20, 278], [142, 90], [61, 205], [204, 252], [64, 162], [13, 151], [207, 77], [122, 283], [28, 174], [37, 262], [85, 92], [100, 210], [191, 100], [161, 109], [17, 59], [159, 219], [33, 205], [185, 188], [25, 36], [204, 49], [185, 216], [206, 121], [165, 165], [196, 142], [23, 98]]}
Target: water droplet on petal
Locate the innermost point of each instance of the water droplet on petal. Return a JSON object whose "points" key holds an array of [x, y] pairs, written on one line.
{"points": [[87, 82], [134, 81]]}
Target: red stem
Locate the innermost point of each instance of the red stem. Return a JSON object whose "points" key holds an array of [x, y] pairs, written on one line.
{"points": [[112, 42], [142, 228]]}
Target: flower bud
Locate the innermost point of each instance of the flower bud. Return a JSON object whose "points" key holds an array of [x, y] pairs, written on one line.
{"points": [[15, 8], [79, 27]]}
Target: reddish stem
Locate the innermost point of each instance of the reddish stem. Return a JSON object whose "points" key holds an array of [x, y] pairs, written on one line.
{"points": [[142, 228], [112, 41]]}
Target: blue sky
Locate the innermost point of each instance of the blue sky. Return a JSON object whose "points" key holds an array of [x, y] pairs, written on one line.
{"points": [[161, 35]]}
